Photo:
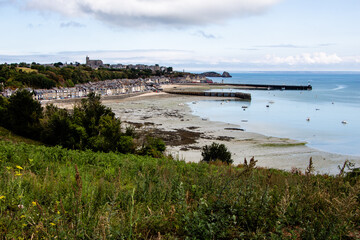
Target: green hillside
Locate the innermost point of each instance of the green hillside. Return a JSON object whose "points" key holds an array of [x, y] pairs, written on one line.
{"points": [[54, 193]]}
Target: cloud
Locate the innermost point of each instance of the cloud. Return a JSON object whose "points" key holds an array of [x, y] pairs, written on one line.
{"points": [[149, 13], [205, 35], [326, 44], [296, 46], [72, 24], [281, 46], [304, 58], [34, 26]]}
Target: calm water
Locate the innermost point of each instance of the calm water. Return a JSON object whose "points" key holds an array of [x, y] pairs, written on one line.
{"points": [[335, 98]]}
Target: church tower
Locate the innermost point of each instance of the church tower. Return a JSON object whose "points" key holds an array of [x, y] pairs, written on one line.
{"points": [[87, 60]]}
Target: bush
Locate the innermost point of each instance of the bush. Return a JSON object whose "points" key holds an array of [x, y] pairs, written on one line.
{"points": [[216, 152], [153, 147]]}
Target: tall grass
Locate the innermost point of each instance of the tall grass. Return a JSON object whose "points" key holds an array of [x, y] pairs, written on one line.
{"points": [[50, 192]]}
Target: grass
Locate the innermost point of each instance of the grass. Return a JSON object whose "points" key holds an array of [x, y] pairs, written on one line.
{"points": [[51, 192], [27, 70], [7, 135]]}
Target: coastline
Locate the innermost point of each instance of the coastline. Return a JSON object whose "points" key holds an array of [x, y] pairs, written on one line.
{"points": [[185, 134]]}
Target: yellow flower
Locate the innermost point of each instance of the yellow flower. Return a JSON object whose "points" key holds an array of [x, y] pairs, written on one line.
{"points": [[2, 197], [33, 203], [18, 167], [52, 224], [22, 216], [18, 174], [58, 212], [24, 225]]}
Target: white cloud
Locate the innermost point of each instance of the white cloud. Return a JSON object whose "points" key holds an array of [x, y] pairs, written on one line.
{"points": [[304, 58], [176, 13]]}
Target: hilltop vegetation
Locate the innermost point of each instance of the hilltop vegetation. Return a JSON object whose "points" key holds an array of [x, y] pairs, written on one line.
{"points": [[40, 76]]}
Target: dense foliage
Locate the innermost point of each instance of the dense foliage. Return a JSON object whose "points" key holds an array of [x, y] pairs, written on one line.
{"points": [[54, 193], [90, 125], [40, 76], [216, 152]]}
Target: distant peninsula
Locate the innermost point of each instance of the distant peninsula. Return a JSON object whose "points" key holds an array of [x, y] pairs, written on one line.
{"points": [[215, 74]]}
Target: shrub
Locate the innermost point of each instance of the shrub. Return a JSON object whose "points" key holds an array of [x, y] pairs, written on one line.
{"points": [[216, 152], [153, 147]]}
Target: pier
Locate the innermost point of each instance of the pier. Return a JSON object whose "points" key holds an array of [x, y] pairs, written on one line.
{"points": [[243, 96], [265, 86]]}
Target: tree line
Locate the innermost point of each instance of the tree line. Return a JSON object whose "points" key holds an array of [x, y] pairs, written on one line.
{"points": [[90, 125], [39, 76]]}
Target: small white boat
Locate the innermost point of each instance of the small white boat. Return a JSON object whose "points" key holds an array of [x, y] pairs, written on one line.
{"points": [[344, 122], [308, 119], [244, 107]]}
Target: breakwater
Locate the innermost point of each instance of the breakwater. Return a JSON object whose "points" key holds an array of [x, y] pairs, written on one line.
{"points": [[243, 96], [265, 86]]}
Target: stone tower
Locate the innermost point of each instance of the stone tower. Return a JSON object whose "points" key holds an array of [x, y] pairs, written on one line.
{"points": [[87, 60]]}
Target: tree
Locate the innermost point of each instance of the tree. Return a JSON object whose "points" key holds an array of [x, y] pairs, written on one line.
{"points": [[24, 114], [154, 147], [4, 103], [216, 152]]}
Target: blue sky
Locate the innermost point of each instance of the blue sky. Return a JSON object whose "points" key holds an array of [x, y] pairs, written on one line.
{"points": [[195, 35]]}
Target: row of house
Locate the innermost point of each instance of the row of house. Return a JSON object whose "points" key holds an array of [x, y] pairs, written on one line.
{"points": [[104, 88]]}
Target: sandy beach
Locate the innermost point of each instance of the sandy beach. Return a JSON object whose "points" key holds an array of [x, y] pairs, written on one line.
{"points": [[170, 117]]}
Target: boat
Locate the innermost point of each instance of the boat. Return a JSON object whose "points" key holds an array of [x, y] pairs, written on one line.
{"points": [[244, 107], [308, 119], [344, 122]]}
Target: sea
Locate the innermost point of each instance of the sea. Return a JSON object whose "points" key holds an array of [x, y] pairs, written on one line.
{"points": [[327, 118]]}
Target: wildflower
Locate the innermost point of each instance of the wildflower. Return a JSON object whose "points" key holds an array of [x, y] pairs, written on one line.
{"points": [[33, 203], [52, 224], [58, 212], [22, 216], [18, 167], [2, 197], [21, 207], [24, 225], [18, 174]]}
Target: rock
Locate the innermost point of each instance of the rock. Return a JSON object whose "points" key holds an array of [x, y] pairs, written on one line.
{"points": [[215, 74], [211, 74], [226, 75]]}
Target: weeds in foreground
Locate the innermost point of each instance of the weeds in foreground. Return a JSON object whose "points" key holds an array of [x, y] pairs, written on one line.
{"points": [[50, 192]]}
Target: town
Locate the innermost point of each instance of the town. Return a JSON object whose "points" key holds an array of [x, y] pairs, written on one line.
{"points": [[111, 87]]}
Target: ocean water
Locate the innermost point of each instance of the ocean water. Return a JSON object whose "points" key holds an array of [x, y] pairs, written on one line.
{"points": [[313, 116]]}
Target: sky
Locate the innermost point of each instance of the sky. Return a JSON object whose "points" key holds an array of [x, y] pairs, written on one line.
{"points": [[190, 35]]}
